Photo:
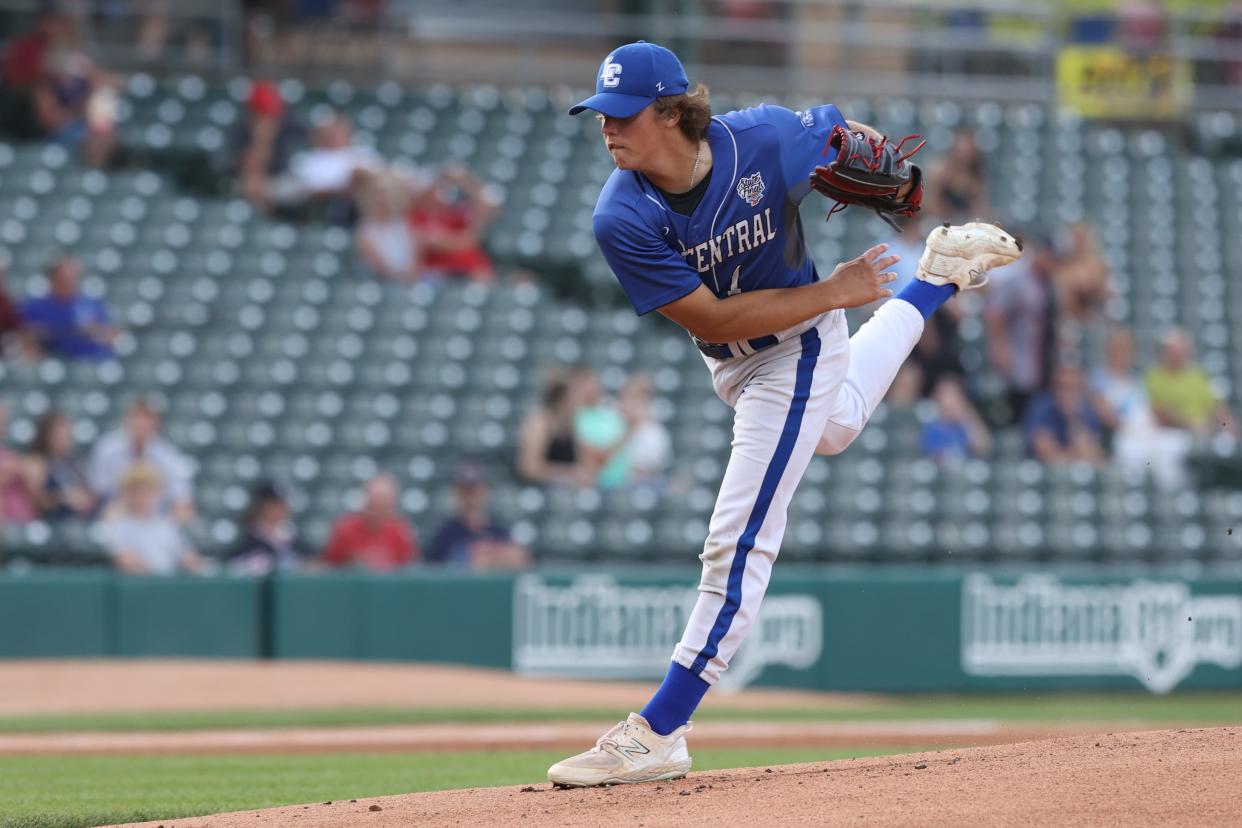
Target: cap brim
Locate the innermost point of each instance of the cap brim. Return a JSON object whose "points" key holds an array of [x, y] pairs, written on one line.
{"points": [[613, 104]]}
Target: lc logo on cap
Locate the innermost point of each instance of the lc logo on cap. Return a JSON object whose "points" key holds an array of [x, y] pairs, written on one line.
{"points": [[633, 76]]}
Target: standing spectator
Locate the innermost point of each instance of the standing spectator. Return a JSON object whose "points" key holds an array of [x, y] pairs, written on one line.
{"points": [[12, 326], [17, 505], [957, 431], [1021, 324], [385, 239], [268, 542], [56, 476], [1083, 278], [1061, 426], [548, 447], [472, 537], [139, 537], [1181, 392], [265, 142], [139, 439], [25, 62], [67, 323], [958, 186], [376, 537], [451, 218]]}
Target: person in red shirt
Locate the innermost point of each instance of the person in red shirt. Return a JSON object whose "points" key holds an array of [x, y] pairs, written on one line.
{"points": [[375, 537], [450, 219]]}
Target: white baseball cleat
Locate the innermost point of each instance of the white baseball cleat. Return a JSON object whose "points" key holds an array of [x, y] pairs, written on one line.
{"points": [[962, 254], [630, 752]]}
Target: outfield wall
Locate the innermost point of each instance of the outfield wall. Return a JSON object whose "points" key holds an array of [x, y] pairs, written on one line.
{"points": [[850, 629]]}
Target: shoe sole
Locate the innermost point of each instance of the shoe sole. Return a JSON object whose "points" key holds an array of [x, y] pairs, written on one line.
{"points": [[653, 775]]}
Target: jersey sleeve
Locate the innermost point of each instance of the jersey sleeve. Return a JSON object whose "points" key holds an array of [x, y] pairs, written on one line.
{"points": [[803, 136], [651, 273]]}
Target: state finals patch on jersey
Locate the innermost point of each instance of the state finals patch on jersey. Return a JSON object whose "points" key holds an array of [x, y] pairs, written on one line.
{"points": [[750, 189]]}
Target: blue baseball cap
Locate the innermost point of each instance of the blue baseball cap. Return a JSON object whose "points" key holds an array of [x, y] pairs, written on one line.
{"points": [[633, 76]]}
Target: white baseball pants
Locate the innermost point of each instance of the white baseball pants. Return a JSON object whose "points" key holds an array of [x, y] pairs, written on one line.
{"points": [[810, 394]]}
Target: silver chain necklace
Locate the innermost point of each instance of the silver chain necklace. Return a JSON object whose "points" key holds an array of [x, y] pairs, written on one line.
{"points": [[695, 169]]}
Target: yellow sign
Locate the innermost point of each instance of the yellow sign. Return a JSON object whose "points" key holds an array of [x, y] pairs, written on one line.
{"points": [[1108, 82]]}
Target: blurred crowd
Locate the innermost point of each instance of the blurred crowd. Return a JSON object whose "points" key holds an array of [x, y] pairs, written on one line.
{"points": [[1071, 403]]}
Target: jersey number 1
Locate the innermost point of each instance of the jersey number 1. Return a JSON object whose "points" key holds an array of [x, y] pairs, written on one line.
{"points": [[733, 288]]}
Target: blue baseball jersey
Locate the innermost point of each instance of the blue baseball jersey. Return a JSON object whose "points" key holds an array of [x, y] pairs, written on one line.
{"points": [[745, 234]]}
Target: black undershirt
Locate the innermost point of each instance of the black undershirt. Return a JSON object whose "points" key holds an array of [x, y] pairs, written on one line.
{"points": [[684, 203]]}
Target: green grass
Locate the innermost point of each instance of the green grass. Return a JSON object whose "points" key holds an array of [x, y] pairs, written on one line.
{"points": [[77, 791], [1186, 709]]}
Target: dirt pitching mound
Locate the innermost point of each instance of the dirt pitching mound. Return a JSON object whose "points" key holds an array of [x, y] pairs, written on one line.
{"points": [[120, 685], [1171, 777]]}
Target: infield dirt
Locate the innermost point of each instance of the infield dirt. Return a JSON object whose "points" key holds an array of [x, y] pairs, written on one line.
{"points": [[1168, 778]]}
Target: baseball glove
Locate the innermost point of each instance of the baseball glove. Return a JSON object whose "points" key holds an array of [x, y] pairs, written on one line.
{"points": [[870, 173]]}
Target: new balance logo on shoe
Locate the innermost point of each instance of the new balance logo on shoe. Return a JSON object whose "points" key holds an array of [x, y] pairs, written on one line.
{"points": [[634, 748]]}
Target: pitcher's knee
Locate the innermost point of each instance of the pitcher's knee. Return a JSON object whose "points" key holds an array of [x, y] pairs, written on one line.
{"points": [[836, 439]]}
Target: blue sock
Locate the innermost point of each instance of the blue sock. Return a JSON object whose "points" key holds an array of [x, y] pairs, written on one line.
{"points": [[925, 296], [672, 704]]}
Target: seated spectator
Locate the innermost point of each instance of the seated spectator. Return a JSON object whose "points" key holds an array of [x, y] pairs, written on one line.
{"points": [[265, 141], [450, 218], [1118, 391], [645, 448], [601, 429], [375, 537], [327, 170], [1021, 324], [12, 327], [957, 186], [25, 63], [957, 432], [67, 323], [139, 439], [1083, 278], [1061, 425], [17, 504], [55, 474], [140, 538], [384, 238], [548, 448], [268, 543], [75, 103], [472, 537], [1181, 392]]}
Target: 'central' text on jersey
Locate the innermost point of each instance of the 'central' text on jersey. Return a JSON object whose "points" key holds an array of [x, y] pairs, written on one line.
{"points": [[744, 234]]}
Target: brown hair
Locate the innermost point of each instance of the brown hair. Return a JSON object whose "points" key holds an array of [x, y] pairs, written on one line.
{"points": [[695, 110]]}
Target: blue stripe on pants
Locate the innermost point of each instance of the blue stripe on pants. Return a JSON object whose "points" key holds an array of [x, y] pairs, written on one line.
{"points": [[767, 490]]}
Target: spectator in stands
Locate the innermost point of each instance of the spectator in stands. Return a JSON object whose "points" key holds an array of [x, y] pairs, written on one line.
{"points": [[55, 474], [450, 218], [25, 62], [17, 505], [268, 540], [265, 141], [601, 428], [12, 326], [471, 537], [1021, 323], [139, 439], [646, 448], [957, 186], [957, 431], [376, 537], [327, 170], [1083, 278], [1061, 425], [67, 323], [75, 104], [384, 238], [548, 445], [1181, 392], [140, 537]]}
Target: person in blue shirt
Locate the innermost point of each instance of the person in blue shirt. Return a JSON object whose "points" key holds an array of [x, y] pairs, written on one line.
{"points": [[699, 221], [67, 323]]}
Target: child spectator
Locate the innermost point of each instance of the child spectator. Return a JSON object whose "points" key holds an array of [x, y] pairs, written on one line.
{"points": [[375, 537], [141, 539], [384, 238], [268, 542]]}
